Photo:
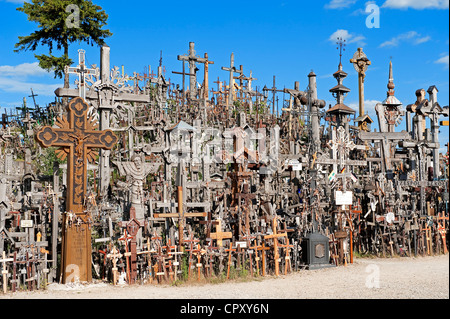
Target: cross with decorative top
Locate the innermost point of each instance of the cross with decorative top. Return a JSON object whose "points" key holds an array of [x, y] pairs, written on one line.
{"points": [[76, 136]]}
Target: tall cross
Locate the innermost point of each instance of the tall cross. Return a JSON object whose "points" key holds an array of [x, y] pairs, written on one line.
{"points": [[77, 136], [232, 69], [206, 77], [82, 71], [361, 63], [276, 253], [274, 91], [183, 73], [192, 59]]}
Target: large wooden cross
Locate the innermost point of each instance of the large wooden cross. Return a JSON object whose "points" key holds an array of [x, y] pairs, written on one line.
{"points": [[275, 237], [232, 69], [77, 136], [192, 59]]}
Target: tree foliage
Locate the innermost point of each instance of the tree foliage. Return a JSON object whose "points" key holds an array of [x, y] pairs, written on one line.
{"points": [[60, 23]]}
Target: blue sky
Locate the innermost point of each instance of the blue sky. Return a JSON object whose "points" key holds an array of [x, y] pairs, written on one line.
{"points": [[284, 38]]}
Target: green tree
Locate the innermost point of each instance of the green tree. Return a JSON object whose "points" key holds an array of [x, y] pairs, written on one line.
{"points": [[60, 23]]}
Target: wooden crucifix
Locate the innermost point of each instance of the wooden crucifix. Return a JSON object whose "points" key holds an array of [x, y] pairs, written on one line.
{"points": [[77, 136], [276, 253], [361, 63], [192, 59], [206, 77], [232, 69], [114, 255]]}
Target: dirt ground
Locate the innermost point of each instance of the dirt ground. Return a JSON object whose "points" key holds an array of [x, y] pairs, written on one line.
{"points": [[366, 278]]}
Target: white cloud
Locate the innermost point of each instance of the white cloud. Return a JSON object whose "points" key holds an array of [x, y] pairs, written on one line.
{"points": [[15, 79], [422, 40], [20, 86], [411, 36], [416, 4], [24, 69], [443, 60], [339, 4], [348, 37]]}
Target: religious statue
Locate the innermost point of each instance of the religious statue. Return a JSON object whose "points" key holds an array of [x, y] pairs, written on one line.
{"points": [[136, 172]]}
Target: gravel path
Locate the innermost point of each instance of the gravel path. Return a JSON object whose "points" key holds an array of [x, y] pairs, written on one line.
{"points": [[395, 278]]}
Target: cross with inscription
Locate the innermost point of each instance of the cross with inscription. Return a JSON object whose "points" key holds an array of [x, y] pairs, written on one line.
{"points": [[77, 136]]}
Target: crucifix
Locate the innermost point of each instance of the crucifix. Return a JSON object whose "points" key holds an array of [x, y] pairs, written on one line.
{"points": [[77, 136], [275, 236], [183, 73], [105, 95], [114, 255], [274, 92], [232, 69], [361, 63], [82, 71], [192, 59], [206, 77]]}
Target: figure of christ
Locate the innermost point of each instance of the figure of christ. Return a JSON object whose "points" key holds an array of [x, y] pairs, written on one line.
{"points": [[136, 172]]}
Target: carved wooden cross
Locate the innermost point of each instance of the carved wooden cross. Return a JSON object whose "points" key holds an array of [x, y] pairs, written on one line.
{"points": [[275, 237], [442, 230], [114, 255], [77, 136]]}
